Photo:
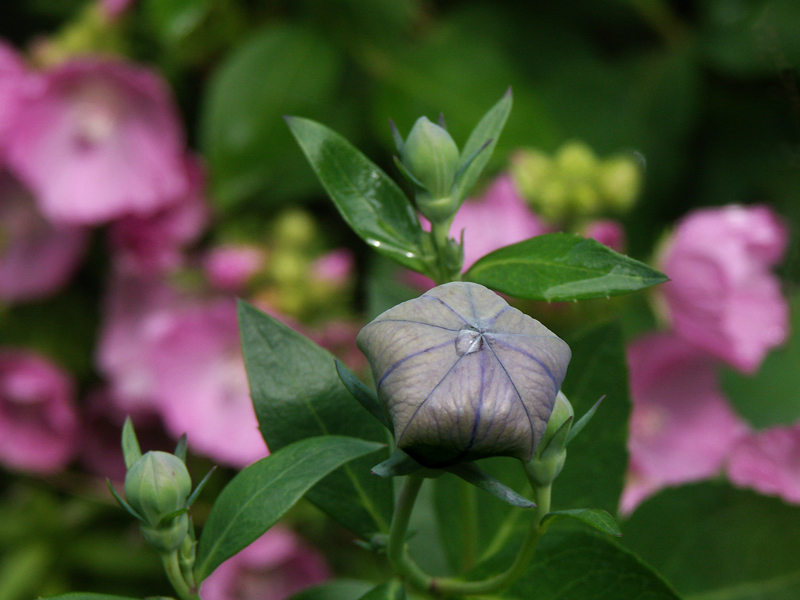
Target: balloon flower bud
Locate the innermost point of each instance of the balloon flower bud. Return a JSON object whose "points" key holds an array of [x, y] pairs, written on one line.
{"points": [[157, 486], [430, 158], [463, 375], [549, 458]]}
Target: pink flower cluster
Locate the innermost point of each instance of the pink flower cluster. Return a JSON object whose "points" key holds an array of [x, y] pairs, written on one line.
{"points": [[723, 304]]}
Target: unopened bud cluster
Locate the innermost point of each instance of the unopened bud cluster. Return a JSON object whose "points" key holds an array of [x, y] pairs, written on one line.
{"points": [[575, 183]]}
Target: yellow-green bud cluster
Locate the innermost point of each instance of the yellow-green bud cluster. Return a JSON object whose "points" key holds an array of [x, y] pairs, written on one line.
{"points": [[575, 183]]}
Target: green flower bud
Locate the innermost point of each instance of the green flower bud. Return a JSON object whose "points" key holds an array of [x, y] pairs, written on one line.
{"points": [[463, 375], [550, 456], [169, 537], [576, 160], [620, 180], [156, 486], [529, 169], [431, 158]]}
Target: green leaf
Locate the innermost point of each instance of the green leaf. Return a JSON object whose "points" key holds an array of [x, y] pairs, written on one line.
{"points": [[130, 444], [586, 566], [597, 459], [489, 128], [297, 393], [715, 542], [365, 396], [279, 70], [593, 517], [769, 397], [261, 494], [561, 266], [391, 590], [341, 589], [369, 201], [398, 464], [471, 473]]}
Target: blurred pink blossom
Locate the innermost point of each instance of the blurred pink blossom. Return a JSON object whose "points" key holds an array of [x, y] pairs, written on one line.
{"points": [[769, 462], [38, 418], [37, 258], [114, 8], [153, 243], [608, 232], [14, 78], [274, 567], [498, 218], [178, 355], [230, 267], [98, 139], [722, 296], [334, 267], [681, 426]]}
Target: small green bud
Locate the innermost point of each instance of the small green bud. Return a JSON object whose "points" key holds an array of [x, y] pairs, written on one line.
{"points": [[529, 169], [157, 485], [550, 456], [576, 160], [620, 180], [431, 158], [169, 537]]}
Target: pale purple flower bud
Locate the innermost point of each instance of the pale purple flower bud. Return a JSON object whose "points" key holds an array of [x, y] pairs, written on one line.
{"points": [[722, 296], [38, 417], [681, 427], [463, 375], [274, 567], [97, 140], [37, 258]]}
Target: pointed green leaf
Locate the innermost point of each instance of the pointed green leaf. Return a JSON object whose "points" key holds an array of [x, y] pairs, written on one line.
{"points": [[399, 463], [593, 517], [297, 393], [130, 444], [488, 128], [369, 201], [365, 396], [584, 420], [261, 494], [561, 266], [339, 589], [180, 448], [471, 473], [555, 445]]}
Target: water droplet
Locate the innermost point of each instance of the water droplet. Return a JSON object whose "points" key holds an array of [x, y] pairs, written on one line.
{"points": [[375, 175], [410, 255], [374, 243], [468, 341]]}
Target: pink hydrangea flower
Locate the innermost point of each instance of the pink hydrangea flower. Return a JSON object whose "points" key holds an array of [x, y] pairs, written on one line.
{"points": [[274, 567], [99, 139], [38, 418], [769, 462], [608, 232], [229, 268], [722, 296], [154, 243], [179, 356], [681, 427], [37, 258]]}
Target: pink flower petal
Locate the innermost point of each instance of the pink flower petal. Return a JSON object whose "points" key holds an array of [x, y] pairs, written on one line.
{"points": [[769, 462]]}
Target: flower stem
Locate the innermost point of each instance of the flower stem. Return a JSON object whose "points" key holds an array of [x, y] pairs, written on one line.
{"points": [[445, 586], [173, 568]]}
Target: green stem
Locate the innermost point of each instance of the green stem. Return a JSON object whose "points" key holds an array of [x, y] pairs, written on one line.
{"points": [[469, 539], [445, 272], [396, 550], [173, 568], [445, 586]]}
